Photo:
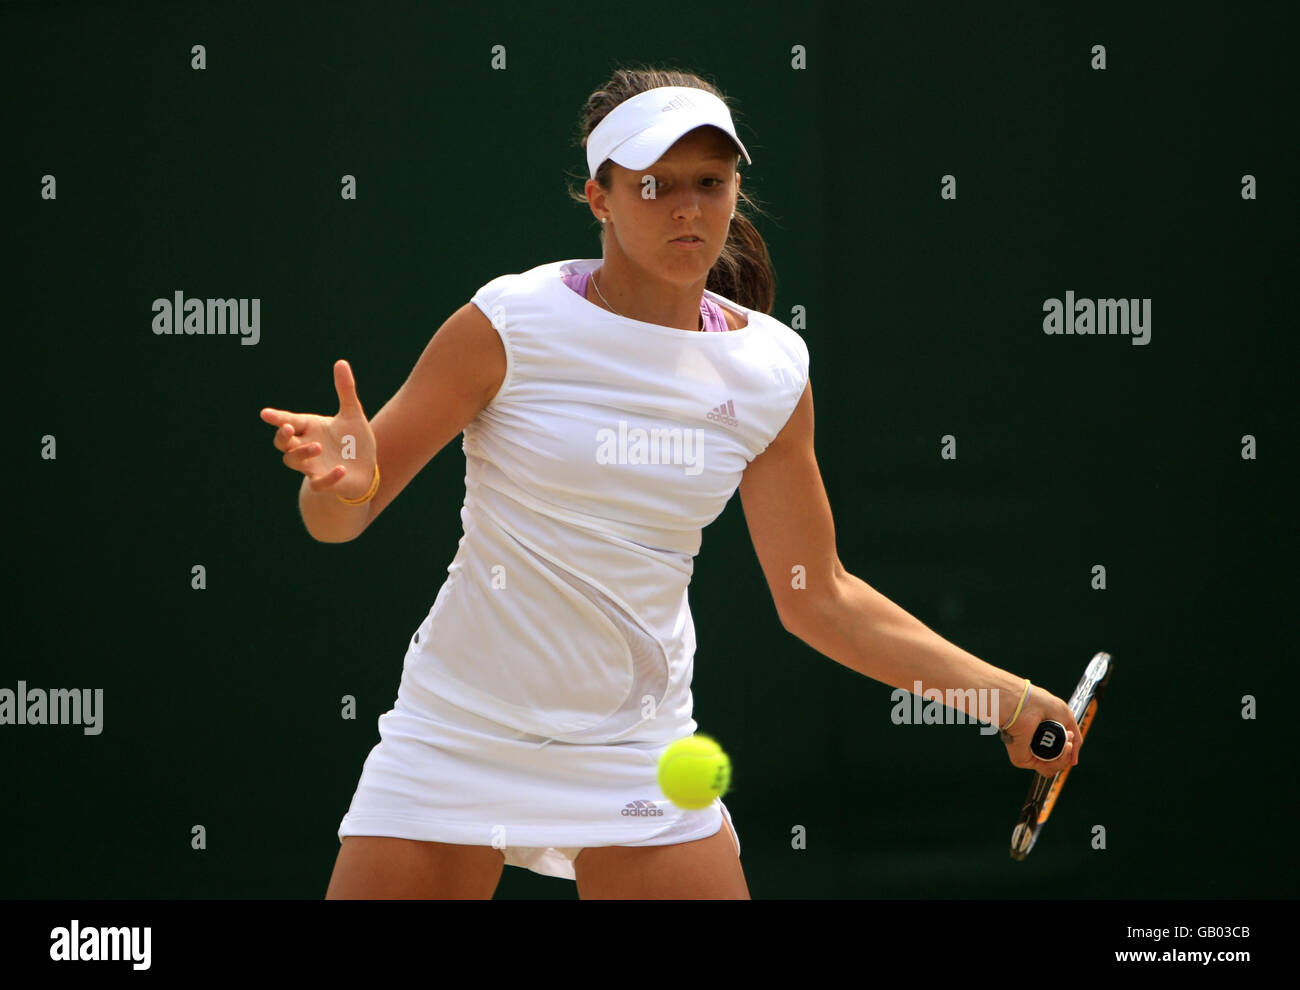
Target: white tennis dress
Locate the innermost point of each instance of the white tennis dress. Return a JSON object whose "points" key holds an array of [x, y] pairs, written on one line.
{"points": [[555, 664]]}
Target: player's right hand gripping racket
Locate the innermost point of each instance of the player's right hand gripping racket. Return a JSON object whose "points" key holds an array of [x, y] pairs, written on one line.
{"points": [[1048, 741]]}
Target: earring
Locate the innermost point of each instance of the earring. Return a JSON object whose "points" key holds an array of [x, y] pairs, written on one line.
{"points": [[602, 219]]}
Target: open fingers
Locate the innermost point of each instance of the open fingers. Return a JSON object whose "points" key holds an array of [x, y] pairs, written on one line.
{"points": [[328, 479], [345, 385], [286, 438], [298, 455], [279, 417]]}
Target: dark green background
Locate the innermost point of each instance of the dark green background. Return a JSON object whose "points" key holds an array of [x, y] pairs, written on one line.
{"points": [[924, 319]]}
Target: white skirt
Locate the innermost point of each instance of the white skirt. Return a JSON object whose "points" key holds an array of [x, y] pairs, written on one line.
{"points": [[443, 774]]}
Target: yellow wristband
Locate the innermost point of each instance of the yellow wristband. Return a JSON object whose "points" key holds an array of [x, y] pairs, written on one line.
{"points": [[1023, 696], [374, 487]]}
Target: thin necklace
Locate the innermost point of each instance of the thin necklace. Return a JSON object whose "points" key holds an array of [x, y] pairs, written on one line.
{"points": [[616, 312]]}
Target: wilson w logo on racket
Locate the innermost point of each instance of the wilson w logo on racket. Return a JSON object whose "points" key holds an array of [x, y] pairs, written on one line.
{"points": [[1045, 790]]}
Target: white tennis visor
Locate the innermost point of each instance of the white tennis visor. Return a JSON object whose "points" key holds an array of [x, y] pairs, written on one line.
{"points": [[637, 132]]}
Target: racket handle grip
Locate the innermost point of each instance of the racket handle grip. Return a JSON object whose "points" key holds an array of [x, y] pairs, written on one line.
{"points": [[1048, 741]]}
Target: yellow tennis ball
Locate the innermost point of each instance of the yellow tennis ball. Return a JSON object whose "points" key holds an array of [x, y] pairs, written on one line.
{"points": [[693, 771]]}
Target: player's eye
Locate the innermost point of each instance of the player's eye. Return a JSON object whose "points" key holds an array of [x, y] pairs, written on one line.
{"points": [[659, 182]]}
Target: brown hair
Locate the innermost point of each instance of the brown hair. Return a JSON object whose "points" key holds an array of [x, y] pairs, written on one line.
{"points": [[743, 271]]}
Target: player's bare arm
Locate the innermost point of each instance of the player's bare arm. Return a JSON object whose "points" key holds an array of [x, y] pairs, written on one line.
{"points": [[844, 618], [459, 373]]}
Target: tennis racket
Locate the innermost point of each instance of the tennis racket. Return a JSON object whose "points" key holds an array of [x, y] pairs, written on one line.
{"points": [[1047, 744]]}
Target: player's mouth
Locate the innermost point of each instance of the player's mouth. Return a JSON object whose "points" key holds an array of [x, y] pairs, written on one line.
{"points": [[687, 242]]}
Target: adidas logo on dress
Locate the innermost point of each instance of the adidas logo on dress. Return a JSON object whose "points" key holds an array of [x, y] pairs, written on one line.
{"points": [[725, 414], [641, 809]]}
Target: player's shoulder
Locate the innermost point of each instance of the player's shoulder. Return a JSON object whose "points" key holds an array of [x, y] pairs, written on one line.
{"points": [[778, 336], [522, 283]]}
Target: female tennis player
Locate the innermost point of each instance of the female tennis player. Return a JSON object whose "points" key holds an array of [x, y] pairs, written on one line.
{"points": [[610, 409]]}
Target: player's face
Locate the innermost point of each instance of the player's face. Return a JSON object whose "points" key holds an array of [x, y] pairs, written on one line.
{"points": [[691, 189]]}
